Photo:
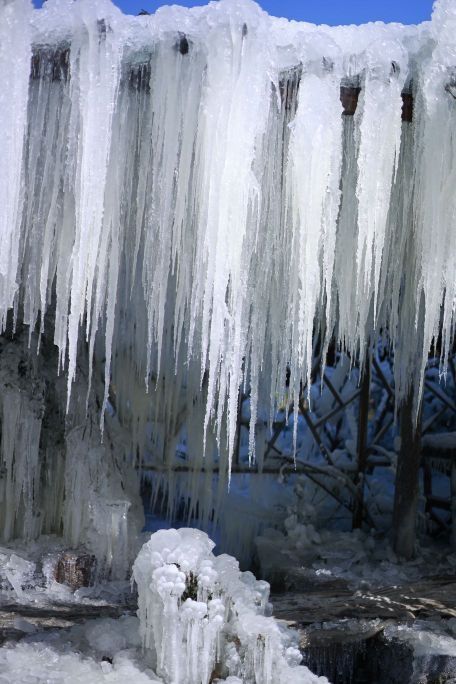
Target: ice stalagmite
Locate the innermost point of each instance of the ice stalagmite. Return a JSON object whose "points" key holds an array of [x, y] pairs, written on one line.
{"points": [[201, 617]]}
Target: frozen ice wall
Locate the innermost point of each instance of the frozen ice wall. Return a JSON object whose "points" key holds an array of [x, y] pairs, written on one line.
{"points": [[184, 193], [56, 475]]}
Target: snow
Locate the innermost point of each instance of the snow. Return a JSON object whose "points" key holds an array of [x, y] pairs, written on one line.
{"points": [[199, 615], [75, 655], [444, 441], [364, 560], [199, 618]]}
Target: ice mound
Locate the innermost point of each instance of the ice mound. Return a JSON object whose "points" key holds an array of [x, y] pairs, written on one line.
{"points": [[426, 638], [200, 616]]}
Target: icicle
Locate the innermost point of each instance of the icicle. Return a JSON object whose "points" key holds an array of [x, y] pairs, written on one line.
{"points": [[436, 174], [194, 197], [15, 55], [233, 117], [96, 51], [48, 116], [315, 159], [171, 129], [379, 136], [20, 482]]}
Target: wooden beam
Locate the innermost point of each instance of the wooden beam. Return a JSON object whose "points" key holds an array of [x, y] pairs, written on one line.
{"points": [[437, 392], [349, 98], [407, 107], [51, 64]]}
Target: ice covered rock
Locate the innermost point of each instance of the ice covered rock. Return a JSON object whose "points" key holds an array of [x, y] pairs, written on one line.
{"points": [[18, 571]]}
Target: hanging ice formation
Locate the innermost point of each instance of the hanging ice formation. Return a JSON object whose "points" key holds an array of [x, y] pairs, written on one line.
{"points": [[183, 192]]}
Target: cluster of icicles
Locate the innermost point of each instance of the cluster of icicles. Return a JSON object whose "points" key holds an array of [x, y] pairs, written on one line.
{"points": [[185, 187]]}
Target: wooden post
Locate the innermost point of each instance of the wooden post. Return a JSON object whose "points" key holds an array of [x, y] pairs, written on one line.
{"points": [[406, 492], [427, 488], [453, 503], [237, 454], [363, 426], [349, 98]]}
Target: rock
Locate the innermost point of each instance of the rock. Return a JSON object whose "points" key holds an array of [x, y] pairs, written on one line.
{"points": [[76, 570]]}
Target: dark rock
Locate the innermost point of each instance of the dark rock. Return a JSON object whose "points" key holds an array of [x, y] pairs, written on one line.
{"points": [[367, 655], [75, 569]]}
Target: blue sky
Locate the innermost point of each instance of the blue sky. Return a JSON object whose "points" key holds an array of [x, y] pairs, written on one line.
{"points": [[317, 11]]}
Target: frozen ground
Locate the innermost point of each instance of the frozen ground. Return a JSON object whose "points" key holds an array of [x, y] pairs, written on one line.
{"points": [[363, 560], [51, 633], [104, 650], [200, 620]]}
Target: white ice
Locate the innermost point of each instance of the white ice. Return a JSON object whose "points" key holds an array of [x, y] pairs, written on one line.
{"points": [[200, 615]]}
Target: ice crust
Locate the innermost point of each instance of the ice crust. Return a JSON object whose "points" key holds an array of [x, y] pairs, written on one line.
{"points": [[184, 197]]}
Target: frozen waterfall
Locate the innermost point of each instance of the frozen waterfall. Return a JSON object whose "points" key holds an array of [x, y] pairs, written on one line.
{"points": [[185, 193]]}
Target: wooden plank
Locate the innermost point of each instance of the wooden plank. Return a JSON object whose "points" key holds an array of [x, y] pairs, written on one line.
{"points": [[453, 504], [349, 96], [407, 107]]}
